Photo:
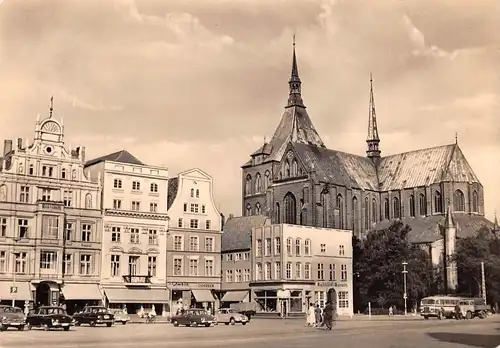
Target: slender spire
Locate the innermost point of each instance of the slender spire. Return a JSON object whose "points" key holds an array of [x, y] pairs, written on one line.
{"points": [[295, 97], [456, 138], [496, 228], [448, 220], [372, 139], [51, 106]]}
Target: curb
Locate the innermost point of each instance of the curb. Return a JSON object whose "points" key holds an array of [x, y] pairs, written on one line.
{"points": [[143, 322]]}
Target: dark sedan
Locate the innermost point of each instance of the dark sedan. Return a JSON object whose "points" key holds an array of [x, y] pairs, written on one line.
{"points": [[49, 317], [94, 315], [194, 317]]}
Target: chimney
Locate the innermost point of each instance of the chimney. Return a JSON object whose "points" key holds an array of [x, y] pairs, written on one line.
{"points": [[82, 151], [19, 143], [222, 221], [230, 216], [7, 147]]}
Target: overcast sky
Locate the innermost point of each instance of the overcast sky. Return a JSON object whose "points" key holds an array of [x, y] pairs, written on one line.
{"points": [[200, 83]]}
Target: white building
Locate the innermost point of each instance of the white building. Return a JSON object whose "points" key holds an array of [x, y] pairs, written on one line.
{"points": [[134, 235], [194, 240]]}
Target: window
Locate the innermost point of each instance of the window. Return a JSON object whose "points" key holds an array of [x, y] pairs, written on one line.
{"points": [[277, 270], [387, 211], [193, 244], [115, 234], [136, 206], [209, 244], [209, 268], [289, 246], [340, 207], [208, 224], [23, 228], [438, 204], [134, 236], [197, 193], [178, 243], [355, 215], [258, 272], [153, 187], [248, 210], [269, 247], [343, 272], [31, 170], [117, 204], [246, 256], [298, 270], [422, 204], [321, 275], [237, 276], [193, 267], [374, 211], [248, 185], [474, 202], [193, 223], [237, 257], [266, 180], [277, 246], [50, 227], [153, 207], [323, 248], [47, 171], [258, 183], [341, 250], [367, 214], [46, 195], [192, 192], [24, 196], [68, 198], [332, 271], [177, 266], [179, 222], [259, 247], [287, 169], [288, 270], [458, 201], [115, 265], [295, 168], [246, 275], [152, 266], [48, 259], [152, 237], [68, 263], [307, 271], [396, 207], [3, 261], [136, 186], [185, 207], [307, 247], [86, 232], [21, 262], [325, 204], [203, 209], [412, 205], [267, 271], [85, 264], [258, 209], [229, 275], [117, 184], [297, 247], [3, 227], [290, 209], [343, 299], [194, 208], [63, 173], [277, 212]]}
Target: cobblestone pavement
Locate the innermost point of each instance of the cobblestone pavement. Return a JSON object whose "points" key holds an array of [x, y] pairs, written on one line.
{"points": [[266, 333]]}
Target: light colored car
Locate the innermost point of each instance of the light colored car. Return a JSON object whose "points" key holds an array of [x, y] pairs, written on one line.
{"points": [[120, 316], [231, 316], [11, 317]]}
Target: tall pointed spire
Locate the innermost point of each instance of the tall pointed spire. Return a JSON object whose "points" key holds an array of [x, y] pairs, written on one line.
{"points": [[448, 220], [51, 106], [373, 140], [496, 227], [295, 97]]}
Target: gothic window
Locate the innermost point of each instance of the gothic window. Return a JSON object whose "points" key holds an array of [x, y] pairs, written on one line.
{"points": [[267, 176], [258, 183], [422, 205], [277, 215], [340, 207], [474, 202], [367, 214], [355, 215], [248, 185], [295, 167], [374, 210], [387, 212], [290, 209], [257, 209], [458, 201], [248, 210], [324, 205], [412, 206], [438, 202], [287, 169], [396, 207]]}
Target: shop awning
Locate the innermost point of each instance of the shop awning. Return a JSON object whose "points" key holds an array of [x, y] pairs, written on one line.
{"points": [[136, 295], [235, 296], [203, 295], [81, 292], [22, 291]]}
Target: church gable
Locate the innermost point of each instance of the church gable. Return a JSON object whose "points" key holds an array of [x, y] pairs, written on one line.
{"points": [[458, 169], [291, 165]]}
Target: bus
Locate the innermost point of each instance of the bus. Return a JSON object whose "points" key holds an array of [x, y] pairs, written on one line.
{"points": [[439, 306]]}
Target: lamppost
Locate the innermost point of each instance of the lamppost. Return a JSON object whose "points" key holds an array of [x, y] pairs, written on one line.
{"points": [[404, 284], [13, 288]]}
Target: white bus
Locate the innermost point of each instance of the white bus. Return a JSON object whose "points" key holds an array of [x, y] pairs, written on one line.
{"points": [[439, 306]]}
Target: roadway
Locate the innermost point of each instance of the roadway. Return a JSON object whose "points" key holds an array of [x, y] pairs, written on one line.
{"points": [[271, 333]]}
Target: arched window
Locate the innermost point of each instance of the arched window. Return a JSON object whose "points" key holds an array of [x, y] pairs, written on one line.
{"points": [[422, 205], [287, 169], [438, 203], [295, 168], [267, 177], [474, 202], [248, 210], [290, 209], [355, 215], [396, 207], [197, 193], [458, 201], [387, 211], [412, 206], [258, 183], [374, 211], [367, 214], [257, 209], [277, 215], [325, 205], [248, 185], [340, 207], [192, 192]]}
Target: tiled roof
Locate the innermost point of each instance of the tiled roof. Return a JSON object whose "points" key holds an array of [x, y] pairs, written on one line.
{"points": [[173, 185], [238, 231], [122, 156]]}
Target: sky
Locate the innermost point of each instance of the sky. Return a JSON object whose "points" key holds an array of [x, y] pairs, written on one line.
{"points": [[201, 83]]}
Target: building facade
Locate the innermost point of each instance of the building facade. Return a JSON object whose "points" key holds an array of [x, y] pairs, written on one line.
{"points": [[193, 241], [296, 266], [50, 221], [134, 231]]}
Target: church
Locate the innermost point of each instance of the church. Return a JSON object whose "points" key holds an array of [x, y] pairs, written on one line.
{"points": [[295, 179]]}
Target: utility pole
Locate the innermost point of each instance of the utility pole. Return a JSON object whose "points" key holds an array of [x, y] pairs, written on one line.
{"points": [[404, 282], [483, 282]]}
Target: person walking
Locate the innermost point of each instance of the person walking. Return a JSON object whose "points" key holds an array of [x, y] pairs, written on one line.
{"points": [[317, 314], [311, 316], [328, 314]]}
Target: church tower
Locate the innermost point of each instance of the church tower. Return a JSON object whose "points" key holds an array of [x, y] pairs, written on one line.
{"points": [[372, 140]]}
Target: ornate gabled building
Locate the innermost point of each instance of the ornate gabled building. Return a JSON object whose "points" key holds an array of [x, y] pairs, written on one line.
{"points": [[295, 179]]}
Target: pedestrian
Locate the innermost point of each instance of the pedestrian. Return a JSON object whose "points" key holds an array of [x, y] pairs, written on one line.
{"points": [[311, 316], [328, 314], [390, 311], [317, 314]]}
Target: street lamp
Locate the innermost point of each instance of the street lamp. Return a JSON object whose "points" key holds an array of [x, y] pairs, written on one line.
{"points": [[404, 283]]}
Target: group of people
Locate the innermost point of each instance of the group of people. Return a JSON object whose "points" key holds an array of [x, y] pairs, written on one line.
{"points": [[319, 317]]}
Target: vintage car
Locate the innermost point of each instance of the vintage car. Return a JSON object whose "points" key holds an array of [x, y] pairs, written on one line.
{"points": [[49, 317], [231, 316], [120, 316], [93, 316], [194, 317], [11, 317]]}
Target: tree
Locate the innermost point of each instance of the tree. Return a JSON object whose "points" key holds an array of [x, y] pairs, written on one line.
{"points": [[379, 265]]}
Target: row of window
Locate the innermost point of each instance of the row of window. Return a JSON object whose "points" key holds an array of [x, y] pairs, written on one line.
{"points": [[49, 171], [134, 235], [136, 186], [258, 186], [135, 205], [49, 261], [194, 208], [300, 249], [267, 272], [342, 299], [133, 265], [238, 256], [237, 276], [46, 195], [193, 223], [194, 244], [194, 267]]}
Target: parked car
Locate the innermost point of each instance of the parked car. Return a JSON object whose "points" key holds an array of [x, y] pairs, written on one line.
{"points": [[11, 317], [120, 316], [248, 309], [49, 317], [231, 316], [93, 316], [194, 317]]}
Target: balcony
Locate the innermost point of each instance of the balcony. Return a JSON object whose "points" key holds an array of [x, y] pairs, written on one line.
{"points": [[137, 280]]}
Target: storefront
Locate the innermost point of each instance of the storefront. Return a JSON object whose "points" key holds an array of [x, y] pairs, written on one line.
{"points": [[285, 298], [76, 296], [235, 296], [339, 293], [18, 291], [193, 295], [136, 298]]}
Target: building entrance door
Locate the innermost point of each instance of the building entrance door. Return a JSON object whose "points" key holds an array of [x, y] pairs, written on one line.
{"points": [[47, 294]]}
